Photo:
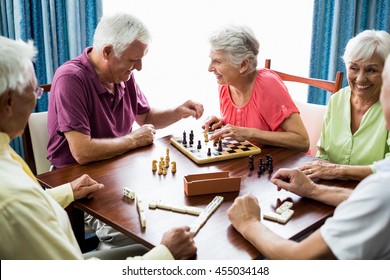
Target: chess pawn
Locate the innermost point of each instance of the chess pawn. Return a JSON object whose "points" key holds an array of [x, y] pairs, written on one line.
{"points": [[206, 136], [154, 165], [167, 161], [164, 170], [199, 145], [173, 163]]}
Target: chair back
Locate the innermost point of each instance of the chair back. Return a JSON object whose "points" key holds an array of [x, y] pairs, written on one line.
{"points": [[312, 115], [35, 139]]}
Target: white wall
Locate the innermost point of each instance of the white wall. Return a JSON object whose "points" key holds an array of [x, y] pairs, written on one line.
{"points": [[175, 69]]}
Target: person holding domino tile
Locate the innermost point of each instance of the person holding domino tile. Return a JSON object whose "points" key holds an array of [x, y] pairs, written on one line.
{"points": [[359, 227], [33, 224]]}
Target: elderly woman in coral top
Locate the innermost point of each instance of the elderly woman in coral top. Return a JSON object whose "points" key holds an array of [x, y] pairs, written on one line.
{"points": [[255, 104]]}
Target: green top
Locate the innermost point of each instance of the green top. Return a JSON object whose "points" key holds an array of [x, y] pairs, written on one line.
{"points": [[337, 144]]}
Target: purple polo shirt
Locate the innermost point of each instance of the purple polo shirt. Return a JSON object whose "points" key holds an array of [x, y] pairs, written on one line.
{"points": [[79, 102]]}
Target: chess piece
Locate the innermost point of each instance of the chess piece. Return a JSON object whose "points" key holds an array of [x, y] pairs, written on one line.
{"points": [[250, 163], [184, 142], [209, 152], [191, 138], [199, 145], [206, 137], [219, 146], [154, 165], [173, 163]]}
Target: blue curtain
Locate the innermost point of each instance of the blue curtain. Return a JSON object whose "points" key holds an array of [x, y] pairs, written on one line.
{"points": [[60, 29], [334, 23]]}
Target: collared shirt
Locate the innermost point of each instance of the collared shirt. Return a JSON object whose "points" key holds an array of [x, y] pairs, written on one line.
{"points": [[270, 104], [79, 102], [33, 224], [360, 227], [29, 217], [337, 144]]}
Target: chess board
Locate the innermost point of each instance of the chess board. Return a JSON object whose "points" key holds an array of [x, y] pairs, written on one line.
{"points": [[230, 149]]}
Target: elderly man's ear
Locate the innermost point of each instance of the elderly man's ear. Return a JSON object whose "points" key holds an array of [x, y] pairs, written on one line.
{"points": [[6, 100]]}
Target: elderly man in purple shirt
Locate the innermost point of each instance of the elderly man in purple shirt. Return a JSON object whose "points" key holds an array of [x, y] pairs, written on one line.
{"points": [[95, 100]]}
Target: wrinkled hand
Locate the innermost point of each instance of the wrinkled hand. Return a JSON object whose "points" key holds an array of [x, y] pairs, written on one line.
{"points": [[190, 109], [235, 132], [244, 211], [180, 242], [143, 136], [85, 186], [319, 169], [212, 123], [293, 180]]}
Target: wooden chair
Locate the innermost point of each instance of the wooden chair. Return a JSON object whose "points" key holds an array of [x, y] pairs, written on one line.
{"points": [[35, 138], [311, 114]]}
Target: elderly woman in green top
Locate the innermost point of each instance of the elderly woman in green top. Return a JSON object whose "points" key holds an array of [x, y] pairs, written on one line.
{"points": [[353, 133]]}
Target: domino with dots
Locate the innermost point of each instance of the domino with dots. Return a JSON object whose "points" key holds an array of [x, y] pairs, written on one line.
{"points": [[285, 206], [175, 208], [205, 215], [141, 211], [129, 192], [280, 218]]}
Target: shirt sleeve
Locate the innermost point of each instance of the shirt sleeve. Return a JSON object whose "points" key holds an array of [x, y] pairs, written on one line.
{"points": [[275, 99], [62, 194], [40, 231], [159, 252], [359, 228], [72, 112]]}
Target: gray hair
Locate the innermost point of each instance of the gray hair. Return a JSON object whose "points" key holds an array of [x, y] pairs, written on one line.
{"points": [[16, 59], [120, 31], [238, 43], [367, 43]]}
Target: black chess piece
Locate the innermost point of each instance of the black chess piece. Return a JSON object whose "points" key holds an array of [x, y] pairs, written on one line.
{"points": [[250, 163], [191, 138], [199, 145], [219, 146], [209, 152], [260, 167], [184, 141]]}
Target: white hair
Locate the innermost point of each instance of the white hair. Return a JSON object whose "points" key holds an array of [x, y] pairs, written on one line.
{"points": [[15, 64], [120, 31], [238, 43], [367, 43]]}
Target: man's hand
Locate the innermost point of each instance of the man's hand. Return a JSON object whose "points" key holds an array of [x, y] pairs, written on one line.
{"points": [[293, 180], [244, 211], [190, 109], [180, 242], [85, 186], [143, 136]]}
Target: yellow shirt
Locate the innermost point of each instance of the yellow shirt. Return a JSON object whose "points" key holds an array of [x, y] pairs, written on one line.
{"points": [[30, 219], [33, 224]]}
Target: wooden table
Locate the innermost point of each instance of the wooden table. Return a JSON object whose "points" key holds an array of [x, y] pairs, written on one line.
{"points": [[217, 239]]}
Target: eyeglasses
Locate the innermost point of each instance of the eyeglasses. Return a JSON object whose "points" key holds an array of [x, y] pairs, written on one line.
{"points": [[38, 92]]}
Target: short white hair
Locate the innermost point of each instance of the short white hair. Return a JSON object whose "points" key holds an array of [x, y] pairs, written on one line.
{"points": [[367, 43], [15, 64], [120, 31], [238, 43]]}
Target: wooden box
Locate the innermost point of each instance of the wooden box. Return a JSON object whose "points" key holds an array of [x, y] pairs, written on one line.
{"points": [[206, 183]]}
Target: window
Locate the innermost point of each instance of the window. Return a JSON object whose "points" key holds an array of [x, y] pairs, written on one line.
{"points": [[175, 69]]}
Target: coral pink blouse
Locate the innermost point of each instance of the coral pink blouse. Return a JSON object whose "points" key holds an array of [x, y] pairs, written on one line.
{"points": [[269, 105]]}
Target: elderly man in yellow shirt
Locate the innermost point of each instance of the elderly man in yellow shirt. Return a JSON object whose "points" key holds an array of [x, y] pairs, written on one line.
{"points": [[33, 222]]}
